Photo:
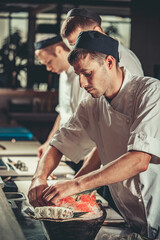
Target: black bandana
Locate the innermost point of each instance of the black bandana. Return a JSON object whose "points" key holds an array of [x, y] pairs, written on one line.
{"points": [[98, 42], [47, 42]]}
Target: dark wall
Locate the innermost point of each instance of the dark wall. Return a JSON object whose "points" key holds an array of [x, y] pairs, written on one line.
{"points": [[145, 33]]}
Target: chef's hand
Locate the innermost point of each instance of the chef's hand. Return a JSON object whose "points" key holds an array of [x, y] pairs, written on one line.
{"points": [[42, 149], [62, 189], [35, 192]]}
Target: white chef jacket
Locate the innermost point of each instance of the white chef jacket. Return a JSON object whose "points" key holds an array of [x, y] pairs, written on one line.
{"points": [[70, 94], [129, 122], [129, 61]]}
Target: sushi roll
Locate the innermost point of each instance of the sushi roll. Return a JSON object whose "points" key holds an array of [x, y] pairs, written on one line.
{"points": [[53, 212]]}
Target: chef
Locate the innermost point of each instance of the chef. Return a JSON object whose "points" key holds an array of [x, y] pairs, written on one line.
{"points": [[53, 53], [122, 117], [83, 19]]}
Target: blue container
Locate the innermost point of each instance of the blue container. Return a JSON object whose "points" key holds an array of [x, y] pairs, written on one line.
{"points": [[17, 133]]}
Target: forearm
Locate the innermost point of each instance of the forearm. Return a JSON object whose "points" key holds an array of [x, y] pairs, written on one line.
{"points": [[125, 167], [55, 128], [91, 163], [48, 163]]}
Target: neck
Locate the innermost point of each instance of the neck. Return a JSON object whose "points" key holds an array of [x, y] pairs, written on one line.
{"points": [[65, 61], [116, 83]]}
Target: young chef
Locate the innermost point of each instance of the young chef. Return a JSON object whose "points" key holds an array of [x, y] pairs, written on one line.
{"points": [[82, 19], [122, 117], [53, 53]]}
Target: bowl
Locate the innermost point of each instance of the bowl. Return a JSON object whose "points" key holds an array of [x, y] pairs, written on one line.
{"points": [[73, 229]]}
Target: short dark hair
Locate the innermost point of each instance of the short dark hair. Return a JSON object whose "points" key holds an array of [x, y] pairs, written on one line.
{"points": [[78, 53], [72, 23], [64, 46]]}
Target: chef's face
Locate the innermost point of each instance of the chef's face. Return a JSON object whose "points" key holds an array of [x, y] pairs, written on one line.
{"points": [[51, 60], [93, 76]]}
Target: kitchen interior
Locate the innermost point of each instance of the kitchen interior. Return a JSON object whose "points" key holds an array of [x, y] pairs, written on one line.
{"points": [[29, 96]]}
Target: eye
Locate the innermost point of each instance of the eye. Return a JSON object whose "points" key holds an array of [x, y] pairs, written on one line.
{"points": [[87, 74]]}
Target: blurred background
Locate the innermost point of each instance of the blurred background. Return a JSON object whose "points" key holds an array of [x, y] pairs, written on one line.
{"points": [[28, 93]]}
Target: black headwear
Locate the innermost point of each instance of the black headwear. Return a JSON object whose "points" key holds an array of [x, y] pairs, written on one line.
{"points": [[98, 42], [47, 42], [84, 13]]}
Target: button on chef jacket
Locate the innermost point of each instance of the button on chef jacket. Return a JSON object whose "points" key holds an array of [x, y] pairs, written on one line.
{"points": [[70, 94], [130, 122]]}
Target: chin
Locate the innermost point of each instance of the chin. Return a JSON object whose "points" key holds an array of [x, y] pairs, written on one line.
{"points": [[94, 95]]}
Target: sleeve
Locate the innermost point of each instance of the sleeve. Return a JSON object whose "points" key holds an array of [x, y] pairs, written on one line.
{"points": [[72, 139], [145, 130]]}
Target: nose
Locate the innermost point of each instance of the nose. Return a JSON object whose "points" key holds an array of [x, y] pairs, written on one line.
{"points": [[83, 81], [48, 68]]}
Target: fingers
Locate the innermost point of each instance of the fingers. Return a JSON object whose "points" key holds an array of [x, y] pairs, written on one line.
{"points": [[51, 195], [35, 196], [55, 200], [33, 199], [39, 197], [46, 190]]}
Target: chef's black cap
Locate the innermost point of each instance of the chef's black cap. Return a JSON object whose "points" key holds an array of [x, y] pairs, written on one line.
{"points": [[83, 12], [98, 42], [47, 42]]}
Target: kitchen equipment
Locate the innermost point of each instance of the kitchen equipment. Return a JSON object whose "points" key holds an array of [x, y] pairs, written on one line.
{"points": [[15, 199], [31, 164], [17, 133]]}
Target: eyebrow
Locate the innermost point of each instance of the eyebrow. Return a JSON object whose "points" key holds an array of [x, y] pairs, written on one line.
{"points": [[82, 71]]}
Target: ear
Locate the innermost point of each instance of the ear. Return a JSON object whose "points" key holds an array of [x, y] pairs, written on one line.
{"points": [[58, 50], [110, 61], [98, 28]]}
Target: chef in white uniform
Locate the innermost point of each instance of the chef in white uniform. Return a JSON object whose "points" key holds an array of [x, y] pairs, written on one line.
{"points": [[122, 118], [83, 19], [53, 53]]}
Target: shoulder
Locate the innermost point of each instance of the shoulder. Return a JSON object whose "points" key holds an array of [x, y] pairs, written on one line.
{"points": [[147, 82], [148, 88], [124, 50], [129, 60]]}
